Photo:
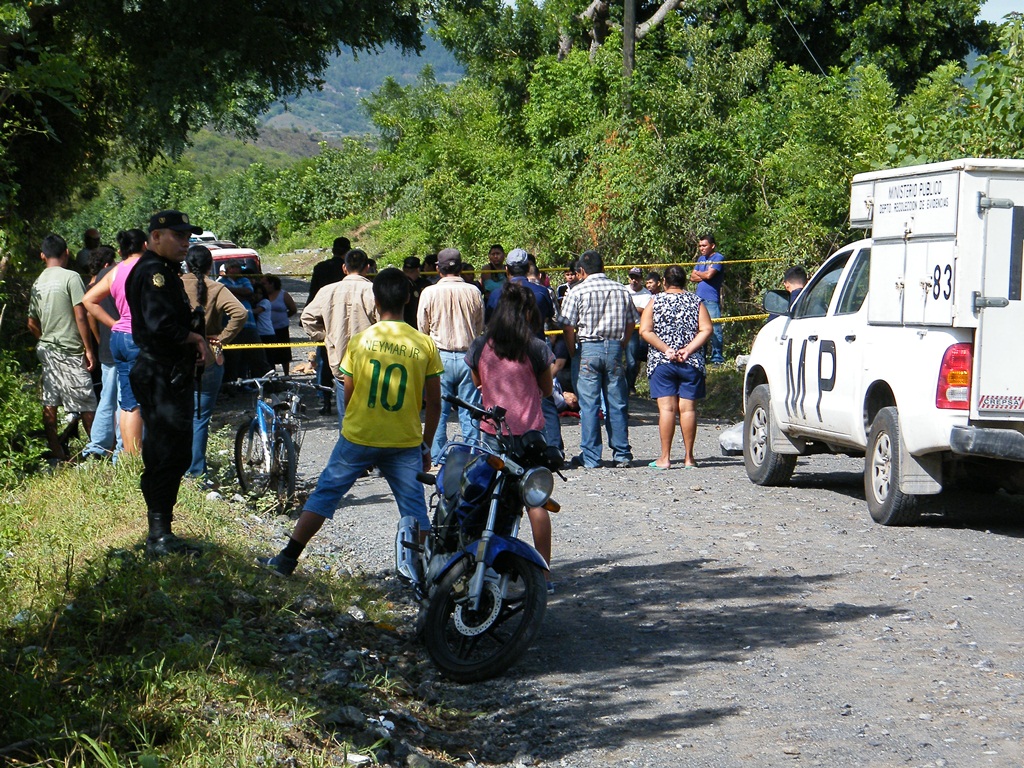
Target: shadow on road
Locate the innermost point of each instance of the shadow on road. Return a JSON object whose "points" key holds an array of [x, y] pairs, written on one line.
{"points": [[642, 630]]}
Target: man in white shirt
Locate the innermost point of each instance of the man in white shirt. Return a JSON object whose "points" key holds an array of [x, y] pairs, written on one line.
{"points": [[338, 312], [451, 312]]}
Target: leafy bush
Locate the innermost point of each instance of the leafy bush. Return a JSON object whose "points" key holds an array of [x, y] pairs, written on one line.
{"points": [[20, 418]]}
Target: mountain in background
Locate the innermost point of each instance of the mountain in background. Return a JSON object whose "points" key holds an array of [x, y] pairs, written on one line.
{"points": [[335, 112]]}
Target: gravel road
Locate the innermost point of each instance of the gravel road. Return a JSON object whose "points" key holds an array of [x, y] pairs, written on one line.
{"points": [[703, 621]]}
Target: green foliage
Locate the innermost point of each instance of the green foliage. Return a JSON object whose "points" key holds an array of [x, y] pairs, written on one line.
{"points": [[90, 85], [944, 118], [20, 419], [108, 658], [498, 44], [799, 145], [904, 40]]}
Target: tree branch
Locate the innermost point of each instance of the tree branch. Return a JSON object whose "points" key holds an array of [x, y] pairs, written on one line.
{"points": [[659, 16]]}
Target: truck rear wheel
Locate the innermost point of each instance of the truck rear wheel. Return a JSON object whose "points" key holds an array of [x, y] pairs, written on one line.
{"points": [[883, 472], [764, 465]]}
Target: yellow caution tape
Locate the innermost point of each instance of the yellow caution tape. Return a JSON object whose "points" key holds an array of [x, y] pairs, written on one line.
{"points": [[274, 345]]}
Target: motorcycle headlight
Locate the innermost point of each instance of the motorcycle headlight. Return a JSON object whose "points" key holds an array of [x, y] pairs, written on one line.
{"points": [[536, 486]]}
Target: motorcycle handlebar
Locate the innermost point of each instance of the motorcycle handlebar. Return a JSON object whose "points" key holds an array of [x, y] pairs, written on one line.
{"points": [[494, 415]]}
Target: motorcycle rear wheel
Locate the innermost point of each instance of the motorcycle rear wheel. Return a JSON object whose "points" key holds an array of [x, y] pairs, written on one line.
{"points": [[469, 646]]}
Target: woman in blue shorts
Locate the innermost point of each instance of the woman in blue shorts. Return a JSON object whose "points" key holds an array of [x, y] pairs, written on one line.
{"points": [[676, 325]]}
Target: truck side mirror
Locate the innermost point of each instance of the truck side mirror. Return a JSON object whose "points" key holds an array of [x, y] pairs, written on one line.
{"points": [[776, 302]]}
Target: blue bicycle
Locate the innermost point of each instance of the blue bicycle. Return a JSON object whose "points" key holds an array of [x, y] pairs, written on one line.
{"points": [[267, 445]]}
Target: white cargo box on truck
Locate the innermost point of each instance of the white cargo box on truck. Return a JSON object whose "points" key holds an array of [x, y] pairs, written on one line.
{"points": [[903, 345]]}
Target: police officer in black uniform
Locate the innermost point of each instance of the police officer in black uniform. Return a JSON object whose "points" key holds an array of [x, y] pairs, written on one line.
{"points": [[171, 346]]}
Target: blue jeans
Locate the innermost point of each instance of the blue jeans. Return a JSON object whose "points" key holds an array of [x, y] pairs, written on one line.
{"points": [[601, 374], [456, 380], [717, 333], [350, 460], [206, 398], [324, 377], [634, 352], [552, 426], [105, 435]]}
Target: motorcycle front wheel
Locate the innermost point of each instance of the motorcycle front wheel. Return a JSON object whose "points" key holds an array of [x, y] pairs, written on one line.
{"points": [[468, 646]]}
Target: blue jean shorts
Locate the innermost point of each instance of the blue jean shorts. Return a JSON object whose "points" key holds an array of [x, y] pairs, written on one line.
{"points": [[350, 460], [125, 352], [677, 380]]}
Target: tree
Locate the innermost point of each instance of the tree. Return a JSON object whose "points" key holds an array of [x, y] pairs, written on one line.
{"points": [[85, 84], [905, 39], [945, 118]]}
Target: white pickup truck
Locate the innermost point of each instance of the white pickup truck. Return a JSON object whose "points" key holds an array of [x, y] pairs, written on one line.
{"points": [[902, 347]]}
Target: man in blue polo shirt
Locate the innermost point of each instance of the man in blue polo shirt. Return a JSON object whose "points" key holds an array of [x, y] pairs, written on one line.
{"points": [[517, 266], [708, 274]]}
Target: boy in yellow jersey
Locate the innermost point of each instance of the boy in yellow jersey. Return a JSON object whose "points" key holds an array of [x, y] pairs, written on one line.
{"points": [[389, 370]]}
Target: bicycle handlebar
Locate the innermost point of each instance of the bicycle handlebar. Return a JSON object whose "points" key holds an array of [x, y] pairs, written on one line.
{"points": [[283, 378]]}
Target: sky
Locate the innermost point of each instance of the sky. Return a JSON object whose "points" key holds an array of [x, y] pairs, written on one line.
{"points": [[994, 10]]}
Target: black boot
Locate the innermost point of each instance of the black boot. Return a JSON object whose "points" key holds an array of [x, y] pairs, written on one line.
{"points": [[161, 541]]}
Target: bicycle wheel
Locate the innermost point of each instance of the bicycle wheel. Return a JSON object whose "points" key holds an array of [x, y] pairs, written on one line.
{"points": [[283, 466], [251, 459]]}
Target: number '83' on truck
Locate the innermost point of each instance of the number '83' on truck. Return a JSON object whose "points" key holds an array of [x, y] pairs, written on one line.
{"points": [[903, 347]]}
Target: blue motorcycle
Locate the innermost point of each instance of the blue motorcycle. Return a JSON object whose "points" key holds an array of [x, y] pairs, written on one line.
{"points": [[482, 591]]}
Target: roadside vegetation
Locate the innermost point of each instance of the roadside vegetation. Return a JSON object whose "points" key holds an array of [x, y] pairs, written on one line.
{"points": [[110, 659]]}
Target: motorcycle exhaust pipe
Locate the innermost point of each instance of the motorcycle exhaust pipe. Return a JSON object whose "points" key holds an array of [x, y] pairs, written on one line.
{"points": [[407, 549]]}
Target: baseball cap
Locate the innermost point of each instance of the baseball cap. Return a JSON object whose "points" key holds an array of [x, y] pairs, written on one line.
{"points": [[411, 262], [171, 219], [448, 258], [516, 257], [637, 273]]}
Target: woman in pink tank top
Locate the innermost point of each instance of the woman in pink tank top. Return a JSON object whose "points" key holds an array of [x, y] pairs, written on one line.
{"points": [[131, 243]]}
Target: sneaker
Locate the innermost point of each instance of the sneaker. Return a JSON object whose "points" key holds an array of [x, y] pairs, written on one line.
{"points": [[169, 544], [551, 587], [624, 464], [279, 565]]}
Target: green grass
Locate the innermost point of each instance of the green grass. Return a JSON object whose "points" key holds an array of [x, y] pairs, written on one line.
{"points": [[724, 398], [109, 658]]}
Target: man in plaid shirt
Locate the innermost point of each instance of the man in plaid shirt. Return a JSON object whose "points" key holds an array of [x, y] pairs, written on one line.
{"points": [[598, 318]]}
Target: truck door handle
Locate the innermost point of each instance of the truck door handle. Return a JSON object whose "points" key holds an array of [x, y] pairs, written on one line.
{"points": [[813, 338], [852, 337]]}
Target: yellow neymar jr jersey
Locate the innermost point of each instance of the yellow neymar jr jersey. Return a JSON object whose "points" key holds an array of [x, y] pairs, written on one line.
{"points": [[389, 363]]}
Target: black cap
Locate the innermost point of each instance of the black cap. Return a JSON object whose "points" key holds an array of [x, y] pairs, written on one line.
{"points": [[411, 262], [449, 258], [637, 273], [172, 219]]}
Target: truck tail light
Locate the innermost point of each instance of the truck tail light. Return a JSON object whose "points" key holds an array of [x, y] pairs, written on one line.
{"points": [[954, 386]]}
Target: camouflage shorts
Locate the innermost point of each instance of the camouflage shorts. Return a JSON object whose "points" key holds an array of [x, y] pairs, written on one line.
{"points": [[66, 381]]}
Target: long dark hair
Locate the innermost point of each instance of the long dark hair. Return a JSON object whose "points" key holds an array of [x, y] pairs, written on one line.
{"points": [[515, 321], [130, 241], [199, 261]]}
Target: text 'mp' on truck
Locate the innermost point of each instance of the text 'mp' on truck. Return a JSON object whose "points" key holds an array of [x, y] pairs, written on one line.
{"points": [[903, 347]]}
